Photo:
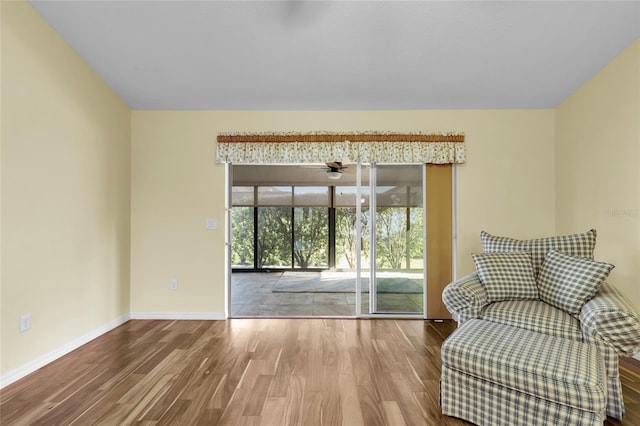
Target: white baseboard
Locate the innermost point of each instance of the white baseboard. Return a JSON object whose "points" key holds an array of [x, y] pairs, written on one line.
{"points": [[28, 368], [637, 356], [178, 316]]}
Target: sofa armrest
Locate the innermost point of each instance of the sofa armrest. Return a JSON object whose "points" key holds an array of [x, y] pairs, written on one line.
{"points": [[611, 318], [465, 298]]}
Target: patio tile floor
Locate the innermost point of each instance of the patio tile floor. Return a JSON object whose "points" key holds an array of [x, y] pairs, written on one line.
{"points": [[252, 294]]}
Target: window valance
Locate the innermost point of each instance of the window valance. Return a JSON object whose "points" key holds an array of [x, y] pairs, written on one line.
{"points": [[321, 147]]}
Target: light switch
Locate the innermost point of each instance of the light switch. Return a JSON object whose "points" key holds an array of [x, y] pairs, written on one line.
{"points": [[212, 223]]}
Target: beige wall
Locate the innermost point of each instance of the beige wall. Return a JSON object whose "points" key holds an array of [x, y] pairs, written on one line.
{"points": [[65, 192], [507, 187], [598, 166]]}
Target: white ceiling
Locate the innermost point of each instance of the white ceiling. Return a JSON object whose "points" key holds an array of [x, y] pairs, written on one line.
{"points": [[328, 55]]}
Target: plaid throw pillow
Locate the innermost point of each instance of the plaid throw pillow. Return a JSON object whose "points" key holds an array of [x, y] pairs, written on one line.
{"points": [[506, 275], [568, 282], [581, 245]]}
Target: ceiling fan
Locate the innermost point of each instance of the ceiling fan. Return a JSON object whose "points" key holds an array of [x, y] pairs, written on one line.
{"points": [[334, 169]]}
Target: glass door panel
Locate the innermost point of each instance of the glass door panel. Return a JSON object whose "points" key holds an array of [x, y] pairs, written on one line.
{"points": [[399, 242], [311, 196], [311, 237], [274, 237], [275, 196], [311, 227], [242, 236], [346, 238], [351, 202]]}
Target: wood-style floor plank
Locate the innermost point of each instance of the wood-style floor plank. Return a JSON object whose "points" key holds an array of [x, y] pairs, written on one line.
{"points": [[262, 372]]}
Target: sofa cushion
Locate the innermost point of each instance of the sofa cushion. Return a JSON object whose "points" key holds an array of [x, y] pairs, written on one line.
{"points": [[534, 315], [568, 282], [577, 245], [506, 275]]}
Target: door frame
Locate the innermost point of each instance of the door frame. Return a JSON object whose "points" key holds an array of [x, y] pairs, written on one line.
{"points": [[372, 273]]}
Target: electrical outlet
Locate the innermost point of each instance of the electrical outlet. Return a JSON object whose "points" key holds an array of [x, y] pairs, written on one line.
{"points": [[25, 322], [174, 284]]}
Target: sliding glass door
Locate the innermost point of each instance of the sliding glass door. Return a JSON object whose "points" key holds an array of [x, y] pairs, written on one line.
{"points": [[398, 244], [360, 240], [381, 237]]}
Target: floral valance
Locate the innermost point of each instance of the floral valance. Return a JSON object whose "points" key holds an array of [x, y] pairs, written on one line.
{"points": [[322, 147]]}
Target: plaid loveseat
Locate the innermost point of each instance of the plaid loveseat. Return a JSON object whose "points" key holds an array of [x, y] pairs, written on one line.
{"points": [[607, 319]]}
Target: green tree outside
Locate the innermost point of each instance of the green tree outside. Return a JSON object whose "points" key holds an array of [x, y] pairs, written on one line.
{"points": [[242, 237], [274, 237], [399, 236], [311, 233]]}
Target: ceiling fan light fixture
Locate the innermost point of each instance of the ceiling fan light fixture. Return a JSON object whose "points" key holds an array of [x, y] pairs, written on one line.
{"points": [[333, 174]]}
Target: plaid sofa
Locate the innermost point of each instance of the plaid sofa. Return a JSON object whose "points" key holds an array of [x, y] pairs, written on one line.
{"points": [[608, 321], [495, 374]]}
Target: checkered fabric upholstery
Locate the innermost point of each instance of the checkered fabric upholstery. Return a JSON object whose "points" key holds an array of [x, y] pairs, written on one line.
{"points": [[485, 404], [538, 316], [581, 245], [506, 275], [568, 282], [611, 318], [534, 315], [465, 298], [615, 402], [496, 374]]}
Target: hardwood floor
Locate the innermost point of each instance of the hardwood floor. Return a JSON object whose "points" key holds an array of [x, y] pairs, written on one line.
{"points": [[252, 372]]}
